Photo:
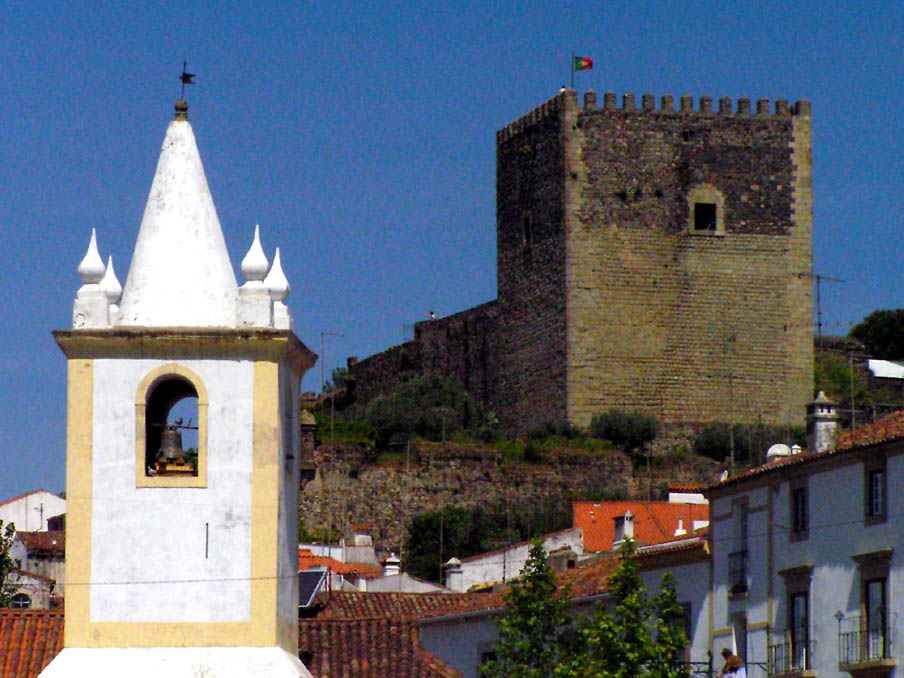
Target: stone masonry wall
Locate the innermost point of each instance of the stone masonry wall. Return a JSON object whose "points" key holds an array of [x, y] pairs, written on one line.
{"points": [[531, 257], [687, 326], [462, 346], [348, 491]]}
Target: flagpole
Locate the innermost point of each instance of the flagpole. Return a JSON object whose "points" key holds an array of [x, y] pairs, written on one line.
{"points": [[572, 70]]}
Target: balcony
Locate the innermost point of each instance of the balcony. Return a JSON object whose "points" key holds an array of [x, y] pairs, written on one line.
{"points": [[737, 573], [866, 652], [790, 660]]}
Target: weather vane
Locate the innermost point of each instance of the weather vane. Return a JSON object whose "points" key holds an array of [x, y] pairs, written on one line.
{"points": [[186, 78]]}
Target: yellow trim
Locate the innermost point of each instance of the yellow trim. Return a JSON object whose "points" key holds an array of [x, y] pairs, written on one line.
{"points": [[757, 626], [79, 443], [265, 504], [149, 381], [184, 344], [264, 628]]}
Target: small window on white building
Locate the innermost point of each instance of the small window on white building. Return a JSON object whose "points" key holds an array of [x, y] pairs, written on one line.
{"points": [[875, 491], [800, 511], [20, 601]]}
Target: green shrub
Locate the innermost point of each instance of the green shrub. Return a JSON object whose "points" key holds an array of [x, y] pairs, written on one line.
{"points": [[630, 431], [751, 441], [561, 428]]}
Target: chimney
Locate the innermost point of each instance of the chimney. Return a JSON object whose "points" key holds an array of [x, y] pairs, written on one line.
{"points": [[391, 565], [624, 528], [454, 576], [680, 529], [822, 424]]}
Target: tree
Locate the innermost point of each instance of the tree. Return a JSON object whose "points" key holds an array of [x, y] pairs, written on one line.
{"points": [[7, 588], [882, 334], [536, 630], [639, 638], [628, 430]]}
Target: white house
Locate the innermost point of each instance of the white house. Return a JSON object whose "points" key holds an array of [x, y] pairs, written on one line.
{"points": [[497, 567], [31, 511], [808, 568]]}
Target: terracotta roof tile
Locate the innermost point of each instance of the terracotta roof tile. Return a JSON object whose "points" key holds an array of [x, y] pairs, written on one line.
{"points": [[367, 648], [307, 560], [51, 544], [887, 429], [654, 522], [402, 606], [29, 639]]}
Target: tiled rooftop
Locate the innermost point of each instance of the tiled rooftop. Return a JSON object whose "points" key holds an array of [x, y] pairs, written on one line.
{"points": [[29, 639], [654, 522], [367, 648], [402, 606], [307, 560], [46, 544]]}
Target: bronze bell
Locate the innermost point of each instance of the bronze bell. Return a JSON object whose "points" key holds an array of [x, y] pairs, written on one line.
{"points": [[171, 444]]}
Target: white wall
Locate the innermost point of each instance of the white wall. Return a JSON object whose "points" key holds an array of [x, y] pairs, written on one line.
{"points": [[506, 564], [31, 511], [158, 534]]}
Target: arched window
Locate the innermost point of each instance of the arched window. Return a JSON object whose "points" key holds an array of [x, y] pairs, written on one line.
{"points": [[706, 210], [171, 429], [20, 601]]}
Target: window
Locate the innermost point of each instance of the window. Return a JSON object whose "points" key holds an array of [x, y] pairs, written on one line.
{"points": [[704, 216], [800, 517], [737, 559], [739, 634], [20, 601], [791, 650], [706, 209], [865, 638], [799, 627], [875, 493], [171, 429]]}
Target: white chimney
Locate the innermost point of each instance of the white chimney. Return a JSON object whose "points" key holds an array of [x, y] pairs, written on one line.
{"points": [[624, 528], [680, 529], [454, 575], [391, 565]]}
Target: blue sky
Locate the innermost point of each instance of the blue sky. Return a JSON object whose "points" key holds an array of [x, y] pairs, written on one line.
{"points": [[361, 137]]}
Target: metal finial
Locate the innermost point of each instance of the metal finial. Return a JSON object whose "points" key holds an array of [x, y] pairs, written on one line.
{"points": [[186, 78]]}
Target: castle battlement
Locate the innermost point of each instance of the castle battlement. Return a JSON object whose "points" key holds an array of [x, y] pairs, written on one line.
{"points": [[667, 106]]}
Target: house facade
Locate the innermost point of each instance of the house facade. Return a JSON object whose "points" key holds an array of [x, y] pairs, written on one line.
{"points": [[807, 559]]}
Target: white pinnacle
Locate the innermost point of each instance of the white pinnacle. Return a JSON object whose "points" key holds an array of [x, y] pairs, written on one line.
{"points": [[276, 280], [110, 285], [255, 264], [91, 268]]}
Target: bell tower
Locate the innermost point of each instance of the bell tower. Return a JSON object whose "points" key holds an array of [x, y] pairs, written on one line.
{"points": [[183, 449]]}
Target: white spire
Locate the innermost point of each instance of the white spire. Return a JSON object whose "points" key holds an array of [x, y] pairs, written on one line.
{"points": [[278, 285], [91, 267], [180, 273], [91, 308], [109, 284], [276, 280], [255, 264]]}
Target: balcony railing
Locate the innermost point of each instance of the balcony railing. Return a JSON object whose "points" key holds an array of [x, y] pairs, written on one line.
{"points": [[737, 571], [788, 657], [863, 645]]}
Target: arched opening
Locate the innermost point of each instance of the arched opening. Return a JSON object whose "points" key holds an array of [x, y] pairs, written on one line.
{"points": [[171, 428], [20, 601]]}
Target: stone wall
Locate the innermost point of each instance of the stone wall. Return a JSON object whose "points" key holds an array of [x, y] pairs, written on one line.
{"points": [[346, 490], [462, 346], [608, 294]]}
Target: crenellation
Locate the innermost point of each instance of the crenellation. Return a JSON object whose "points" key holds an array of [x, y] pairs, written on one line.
{"points": [[590, 100], [706, 104], [667, 103], [781, 107], [687, 103], [628, 101], [762, 106], [744, 106], [609, 101], [725, 106], [648, 102]]}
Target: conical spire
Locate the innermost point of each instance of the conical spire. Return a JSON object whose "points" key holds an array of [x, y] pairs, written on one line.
{"points": [[180, 275]]}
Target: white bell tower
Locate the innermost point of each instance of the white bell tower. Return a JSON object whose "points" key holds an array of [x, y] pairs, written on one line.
{"points": [[182, 450]]}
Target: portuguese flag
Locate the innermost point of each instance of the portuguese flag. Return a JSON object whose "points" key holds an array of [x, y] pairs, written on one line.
{"points": [[583, 63]]}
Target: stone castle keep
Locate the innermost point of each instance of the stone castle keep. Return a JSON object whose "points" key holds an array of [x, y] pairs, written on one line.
{"points": [[650, 259]]}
